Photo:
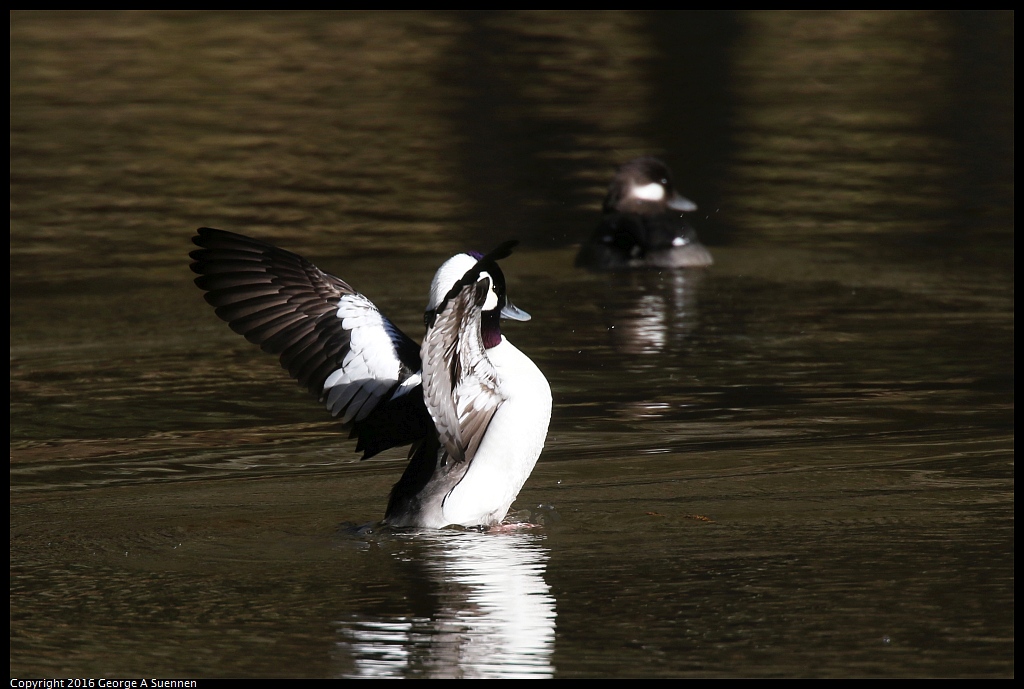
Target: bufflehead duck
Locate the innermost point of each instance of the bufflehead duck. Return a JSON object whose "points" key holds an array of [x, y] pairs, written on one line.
{"points": [[642, 225], [474, 408]]}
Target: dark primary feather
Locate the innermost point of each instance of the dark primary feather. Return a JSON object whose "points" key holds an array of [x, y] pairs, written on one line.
{"points": [[286, 305]]}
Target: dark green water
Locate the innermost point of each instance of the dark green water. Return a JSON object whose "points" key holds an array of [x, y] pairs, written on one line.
{"points": [[796, 463]]}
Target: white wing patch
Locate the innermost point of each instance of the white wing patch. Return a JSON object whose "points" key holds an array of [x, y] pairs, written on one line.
{"points": [[371, 366], [408, 384]]}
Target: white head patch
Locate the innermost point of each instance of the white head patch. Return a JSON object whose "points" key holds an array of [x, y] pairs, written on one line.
{"points": [[648, 192], [450, 272]]}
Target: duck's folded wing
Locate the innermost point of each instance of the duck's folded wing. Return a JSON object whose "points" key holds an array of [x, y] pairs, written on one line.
{"points": [[460, 384], [330, 338]]}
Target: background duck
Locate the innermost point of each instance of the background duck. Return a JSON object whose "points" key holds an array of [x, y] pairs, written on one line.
{"points": [[643, 223]]}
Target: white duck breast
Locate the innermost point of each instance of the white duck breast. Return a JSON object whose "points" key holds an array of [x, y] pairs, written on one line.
{"points": [[476, 414], [507, 452]]}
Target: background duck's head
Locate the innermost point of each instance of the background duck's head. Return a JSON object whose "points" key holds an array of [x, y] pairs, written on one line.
{"points": [[644, 185]]}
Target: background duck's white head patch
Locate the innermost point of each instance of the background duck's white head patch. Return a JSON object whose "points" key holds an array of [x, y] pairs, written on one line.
{"points": [[648, 192], [450, 272]]}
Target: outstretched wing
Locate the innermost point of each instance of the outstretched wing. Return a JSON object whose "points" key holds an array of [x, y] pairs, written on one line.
{"points": [[330, 338], [460, 384]]}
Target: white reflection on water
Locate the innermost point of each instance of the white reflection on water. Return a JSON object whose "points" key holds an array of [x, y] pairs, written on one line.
{"points": [[651, 310], [494, 615]]}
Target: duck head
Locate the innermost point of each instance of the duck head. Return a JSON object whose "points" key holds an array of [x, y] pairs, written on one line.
{"points": [[644, 185], [470, 268]]}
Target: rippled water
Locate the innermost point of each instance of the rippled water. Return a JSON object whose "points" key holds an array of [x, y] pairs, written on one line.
{"points": [[796, 463]]}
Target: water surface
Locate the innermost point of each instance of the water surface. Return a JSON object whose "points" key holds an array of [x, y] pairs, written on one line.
{"points": [[796, 463]]}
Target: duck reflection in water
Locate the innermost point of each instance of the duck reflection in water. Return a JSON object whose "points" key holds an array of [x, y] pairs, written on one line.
{"points": [[652, 312], [477, 606]]}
